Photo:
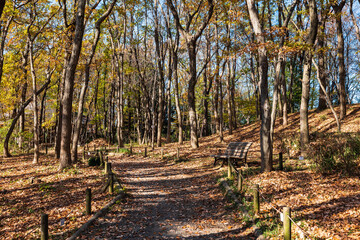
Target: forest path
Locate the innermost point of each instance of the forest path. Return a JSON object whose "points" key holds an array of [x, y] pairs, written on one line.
{"points": [[168, 201]]}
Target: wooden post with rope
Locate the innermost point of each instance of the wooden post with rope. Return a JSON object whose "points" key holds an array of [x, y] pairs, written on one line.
{"points": [[287, 223]]}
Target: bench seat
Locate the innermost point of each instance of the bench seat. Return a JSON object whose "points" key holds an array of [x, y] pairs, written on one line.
{"points": [[235, 151]]}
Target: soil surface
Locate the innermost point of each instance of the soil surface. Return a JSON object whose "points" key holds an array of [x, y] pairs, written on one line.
{"points": [[169, 201]]}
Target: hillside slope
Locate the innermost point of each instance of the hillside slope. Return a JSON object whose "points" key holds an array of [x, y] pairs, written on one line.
{"points": [[319, 122], [326, 206]]}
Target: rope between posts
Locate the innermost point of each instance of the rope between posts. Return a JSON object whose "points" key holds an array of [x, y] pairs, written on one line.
{"points": [[277, 210], [272, 206], [303, 231]]}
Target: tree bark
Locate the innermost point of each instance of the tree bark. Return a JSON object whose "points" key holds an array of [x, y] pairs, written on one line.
{"points": [[160, 64], [341, 59], [35, 110], [22, 116], [218, 91], [208, 81], [177, 100], [265, 139], [229, 82], [67, 98], [321, 63], [168, 130], [305, 91]]}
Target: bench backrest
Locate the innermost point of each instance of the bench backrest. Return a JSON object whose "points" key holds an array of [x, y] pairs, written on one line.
{"points": [[238, 149]]}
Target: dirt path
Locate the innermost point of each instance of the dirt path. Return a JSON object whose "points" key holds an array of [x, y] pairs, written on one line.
{"points": [[169, 201]]}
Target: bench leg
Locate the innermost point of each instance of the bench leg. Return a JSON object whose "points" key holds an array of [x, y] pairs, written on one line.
{"points": [[215, 161], [223, 162]]}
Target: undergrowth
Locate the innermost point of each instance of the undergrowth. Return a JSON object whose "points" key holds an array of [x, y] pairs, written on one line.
{"points": [[336, 153], [328, 153]]}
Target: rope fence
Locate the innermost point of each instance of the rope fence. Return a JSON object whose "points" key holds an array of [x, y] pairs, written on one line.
{"points": [[112, 179], [285, 216]]}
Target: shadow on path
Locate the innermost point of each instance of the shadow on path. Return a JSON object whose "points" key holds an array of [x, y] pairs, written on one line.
{"points": [[169, 202]]}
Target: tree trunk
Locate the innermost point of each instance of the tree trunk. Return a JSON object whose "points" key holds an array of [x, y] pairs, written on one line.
{"points": [[168, 131], [35, 110], [265, 139], [78, 121], [233, 94], [160, 64], [138, 117], [305, 91], [228, 82], [96, 104], [284, 97], [153, 111], [67, 98], [60, 110], [218, 90], [191, 45], [177, 100], [322, 74], [42, 117], [340, 49], [22, 116]]}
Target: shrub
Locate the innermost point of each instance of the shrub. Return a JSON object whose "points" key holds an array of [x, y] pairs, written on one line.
{"points": [[336, 153]]}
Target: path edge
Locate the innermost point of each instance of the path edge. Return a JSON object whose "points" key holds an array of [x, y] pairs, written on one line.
{"points": [[229, 193], [102, 211]]}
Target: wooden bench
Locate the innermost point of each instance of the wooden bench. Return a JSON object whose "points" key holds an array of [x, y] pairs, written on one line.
{"points": [[235, 151]]}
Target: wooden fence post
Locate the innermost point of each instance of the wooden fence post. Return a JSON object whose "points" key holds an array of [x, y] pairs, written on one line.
{"points": [[101, 157], [229, 169], [111, 185], [281, 166], [88, 201], [44, 226], [83, 154], [287, 223], [46, 149], [256, 199], [108, 168], [240, 181], [131, 150], [145, 152]]}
